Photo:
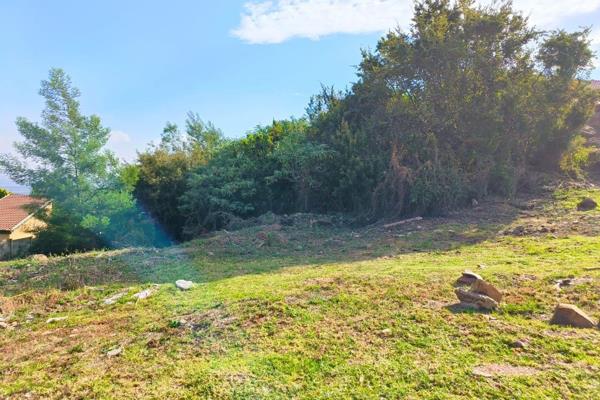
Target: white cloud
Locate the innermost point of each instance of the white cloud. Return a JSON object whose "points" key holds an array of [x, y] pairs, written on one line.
{"points": [[276, 22], [280, 20], [122, 145], [547, 13]]}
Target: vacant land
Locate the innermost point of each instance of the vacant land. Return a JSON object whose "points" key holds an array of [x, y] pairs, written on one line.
{"points": [[313, 310]]}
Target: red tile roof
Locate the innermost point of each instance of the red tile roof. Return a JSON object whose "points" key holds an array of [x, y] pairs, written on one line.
{"points": [[16, 208]]}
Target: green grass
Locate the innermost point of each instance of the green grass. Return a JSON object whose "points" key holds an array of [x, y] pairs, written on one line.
{"points": [[314, 313]]}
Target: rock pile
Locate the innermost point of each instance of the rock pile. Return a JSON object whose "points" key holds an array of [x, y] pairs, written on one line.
{"points": [[481, 295], [467, 278]]}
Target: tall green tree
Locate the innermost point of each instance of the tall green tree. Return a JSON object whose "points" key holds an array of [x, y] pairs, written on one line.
{"points": [[163, 170], [63, 158]]}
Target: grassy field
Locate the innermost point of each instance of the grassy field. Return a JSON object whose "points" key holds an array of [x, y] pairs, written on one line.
{"points": [[314, 312]]}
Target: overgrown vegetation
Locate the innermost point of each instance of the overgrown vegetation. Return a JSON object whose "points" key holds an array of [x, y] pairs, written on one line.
{"points": [[468, 102], [3, 193]]}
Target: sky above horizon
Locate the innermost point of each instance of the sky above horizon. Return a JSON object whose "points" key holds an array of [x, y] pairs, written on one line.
{"points": [[237, 63]]}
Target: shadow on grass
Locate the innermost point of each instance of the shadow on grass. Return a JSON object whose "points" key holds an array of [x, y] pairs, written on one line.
{"points": [[460, 308], [258, 250]]}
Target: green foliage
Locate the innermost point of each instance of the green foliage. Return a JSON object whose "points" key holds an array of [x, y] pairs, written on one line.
{"points": [[162, 171], [63, 159], [577, 157], [466, 103], [452, 110], [3, 193], [250, 176]]}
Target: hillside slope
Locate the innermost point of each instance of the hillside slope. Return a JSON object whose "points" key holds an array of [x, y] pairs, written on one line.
{"points": [[315, 311]]}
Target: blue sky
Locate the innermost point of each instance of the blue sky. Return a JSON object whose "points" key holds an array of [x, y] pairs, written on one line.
{"points": [[237, 63]]}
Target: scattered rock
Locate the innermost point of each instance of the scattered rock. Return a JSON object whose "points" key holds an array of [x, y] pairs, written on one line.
{"points": [[482, 287], [467, 278], [481, 266], [184, 285], [114, 298], [492, 370], [476, 300], [587, 204], [114, 352], [4, 325], [40, 258], [567, 282], [520, 344], [143, 294], [386, 332], [570, 315], [55, 319]]}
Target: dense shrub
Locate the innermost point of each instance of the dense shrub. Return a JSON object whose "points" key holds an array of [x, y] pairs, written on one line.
{"points": [[466, 103]]}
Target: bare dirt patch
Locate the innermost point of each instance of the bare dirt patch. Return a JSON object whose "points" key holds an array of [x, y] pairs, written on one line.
{"points": [[499, 370]]}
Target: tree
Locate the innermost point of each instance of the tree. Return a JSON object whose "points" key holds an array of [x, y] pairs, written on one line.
{"points": [[3, 193], [163, 170], [64, 159], [455, 108]]}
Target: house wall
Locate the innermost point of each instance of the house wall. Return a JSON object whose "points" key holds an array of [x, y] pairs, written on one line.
{"points": [[17, 243], [4, 246]]}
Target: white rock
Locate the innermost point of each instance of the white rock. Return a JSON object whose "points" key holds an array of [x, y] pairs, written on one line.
{"points": [[114, 298], [4, 325], [184, 285], [55, 319], [143, 294], [114, 352]]}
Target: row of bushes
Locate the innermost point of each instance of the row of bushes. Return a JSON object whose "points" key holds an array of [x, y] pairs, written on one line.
{"points": [[464, 104]]}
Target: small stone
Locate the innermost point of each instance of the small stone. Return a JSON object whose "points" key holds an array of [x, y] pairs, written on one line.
{"points": [[114, 298], [115, 352], [143, 294], [587, 204], [4, 325], [481, 266], [482, 287], [184, 285], [519, 344], [386, 332], [55, 319], [570, 315], [476, 300], [467, 278]]}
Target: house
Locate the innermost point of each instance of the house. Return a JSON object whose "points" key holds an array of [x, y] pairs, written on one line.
{"points": [[18, 223]]}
